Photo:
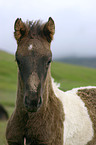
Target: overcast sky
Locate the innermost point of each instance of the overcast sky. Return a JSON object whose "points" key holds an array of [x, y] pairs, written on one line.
{"points": [[75, 22]]}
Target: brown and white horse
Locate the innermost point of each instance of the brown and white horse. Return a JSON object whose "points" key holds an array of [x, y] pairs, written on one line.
{"points": [[45, 115]]}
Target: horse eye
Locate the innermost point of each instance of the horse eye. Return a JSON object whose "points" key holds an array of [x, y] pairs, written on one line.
{"points": [[18, 61], [49, 62]]}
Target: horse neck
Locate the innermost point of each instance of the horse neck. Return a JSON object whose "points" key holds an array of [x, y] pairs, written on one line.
{"points": [[48, 91]]}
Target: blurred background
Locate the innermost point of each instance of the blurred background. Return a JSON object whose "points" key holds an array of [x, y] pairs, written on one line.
{"points": [[73, 47], [75, 22]]}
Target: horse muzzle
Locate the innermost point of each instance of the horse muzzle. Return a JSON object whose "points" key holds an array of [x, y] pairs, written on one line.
{"points": [[32, 102]]}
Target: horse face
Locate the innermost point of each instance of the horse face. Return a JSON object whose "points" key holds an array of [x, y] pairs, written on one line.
{"points": [[33, 58]]}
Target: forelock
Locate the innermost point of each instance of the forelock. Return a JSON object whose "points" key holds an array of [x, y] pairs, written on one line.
{"points": [[35, 27]]}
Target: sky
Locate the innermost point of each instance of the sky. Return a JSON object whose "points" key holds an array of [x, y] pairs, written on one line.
{"points": [[75, 24]]}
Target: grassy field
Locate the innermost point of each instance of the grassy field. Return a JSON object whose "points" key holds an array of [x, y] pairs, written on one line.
{"points": [[69, 76], [72, 76], [8, 81]]}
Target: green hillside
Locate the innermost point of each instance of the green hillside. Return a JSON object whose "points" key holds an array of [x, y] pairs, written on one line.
{"points": [[69, 76], [8, 81], [72, 76]]}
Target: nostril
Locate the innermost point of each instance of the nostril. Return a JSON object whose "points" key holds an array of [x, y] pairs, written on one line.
{"points": [[34, 102]]}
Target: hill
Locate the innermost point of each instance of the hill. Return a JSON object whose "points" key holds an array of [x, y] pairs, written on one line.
{"points": [[8, 77], [69, 76], [82, 61], [8, 81], [72, 76]]}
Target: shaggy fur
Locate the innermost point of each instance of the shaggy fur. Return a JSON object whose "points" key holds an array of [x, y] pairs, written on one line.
{"points": [[45, 115], [38, 116], [78, 125], [34, 28], [89, 98], [44, 127]]}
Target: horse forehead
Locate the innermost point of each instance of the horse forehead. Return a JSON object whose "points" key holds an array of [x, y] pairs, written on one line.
{"points": [[33, 45]]}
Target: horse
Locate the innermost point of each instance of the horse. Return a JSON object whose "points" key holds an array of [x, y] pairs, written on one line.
{"points": [[43, 114]]}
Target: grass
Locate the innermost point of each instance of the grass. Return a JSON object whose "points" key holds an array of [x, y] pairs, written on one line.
{"points": [[8, 81], [69, 76], [72, 76]]}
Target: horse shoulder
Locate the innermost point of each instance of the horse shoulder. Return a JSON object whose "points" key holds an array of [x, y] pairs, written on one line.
{"points": [[78, 123]]}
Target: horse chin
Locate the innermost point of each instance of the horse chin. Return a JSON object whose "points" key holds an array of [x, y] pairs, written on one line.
{"points": [[32, 109]]}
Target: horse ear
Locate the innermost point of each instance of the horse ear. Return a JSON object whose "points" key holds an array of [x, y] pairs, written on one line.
{"points": [[20, 29], [49, 29]]}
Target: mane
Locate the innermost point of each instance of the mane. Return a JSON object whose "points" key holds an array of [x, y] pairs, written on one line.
{"points": [[35, 27]]}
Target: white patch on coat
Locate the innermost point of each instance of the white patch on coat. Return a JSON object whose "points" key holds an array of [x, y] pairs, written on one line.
{"points": [[78, 128], [30, 47]]}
